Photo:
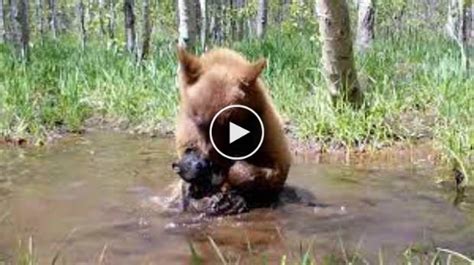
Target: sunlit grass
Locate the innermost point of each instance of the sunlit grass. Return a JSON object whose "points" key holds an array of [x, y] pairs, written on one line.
{"points": [[415, 254], [415, 89]]}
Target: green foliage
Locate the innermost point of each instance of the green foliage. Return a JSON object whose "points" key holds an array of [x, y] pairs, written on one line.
{"points": [[414, 86]]}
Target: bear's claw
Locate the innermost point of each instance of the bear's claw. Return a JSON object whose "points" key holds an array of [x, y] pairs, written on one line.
{"points": [[227, 203]]}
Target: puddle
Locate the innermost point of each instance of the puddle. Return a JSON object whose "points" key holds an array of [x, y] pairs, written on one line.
{"points": [[93, 198]]}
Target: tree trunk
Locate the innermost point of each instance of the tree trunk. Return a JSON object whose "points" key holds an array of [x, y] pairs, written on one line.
{"points": [[465, 27], [3, 30], [365, 27], [101, 19], [216, 24], [24, 28], [129, 25], [111, 24], [187, 23], [53, 21], [239, 24], [19, 13], [204, 28], [146, 30], [337, 51], [453, 21], [82, 22], [15, 27], [459, 26], [262, 18], [39, 17]]}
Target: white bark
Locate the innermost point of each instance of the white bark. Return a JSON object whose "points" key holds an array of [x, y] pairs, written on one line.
{"points": [[262, 18], [187, 23], [204, 28], [3, 31], [19, 13], [39, 17], [459, 26], [453, 21], [101, 18], [130, 25], [337, 51], [53, 21], [365, 25]]}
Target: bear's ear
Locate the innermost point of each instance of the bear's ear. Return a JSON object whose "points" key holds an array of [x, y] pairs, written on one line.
{"points": [[190, 66], [254, 71]]}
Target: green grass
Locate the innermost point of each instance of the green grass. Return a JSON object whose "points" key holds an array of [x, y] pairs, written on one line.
{"points": [[415, 254], [414, 87], [26, 254]]}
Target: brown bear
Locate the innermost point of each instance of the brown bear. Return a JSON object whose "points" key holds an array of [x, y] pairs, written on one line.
{"points": [[219, 78]]}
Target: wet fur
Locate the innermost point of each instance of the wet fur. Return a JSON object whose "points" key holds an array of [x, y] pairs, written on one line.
{"points": [[211, 82]]}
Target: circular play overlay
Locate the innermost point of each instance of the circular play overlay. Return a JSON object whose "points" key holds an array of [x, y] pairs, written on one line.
{"points": [[238, 138]]}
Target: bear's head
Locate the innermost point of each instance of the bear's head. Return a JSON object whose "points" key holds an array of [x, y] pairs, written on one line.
{"points": [[219, 78]]}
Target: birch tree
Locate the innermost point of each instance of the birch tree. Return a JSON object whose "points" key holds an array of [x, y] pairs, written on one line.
{"points": [[459, 26], [187, 23], [365, 25], [465, 28], [129, 25], [82, 22], [337, 51], [452, 23], [146, 33], [21, 31], [39, 17], [204, 28], [3, 30], [53, 20], [101, 18], [262, 18], [111, 23], [239, 24], [216, 25]]}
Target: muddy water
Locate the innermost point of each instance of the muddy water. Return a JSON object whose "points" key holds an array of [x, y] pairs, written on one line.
{"points": [[96, 199]]}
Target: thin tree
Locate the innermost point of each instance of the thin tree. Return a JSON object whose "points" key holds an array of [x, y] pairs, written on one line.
{"points": [[187, 23], [129, 25], [111, 23], [101, 18], [146, 33], [24, 28], [337, 51], [459, 26], [53, 20], [239, 5], [216, 25], [39, 18], [465, 28], [3, 30], [15, 27], [21, 31], [365, 25], [453, 21], [82, 22], [262, 18], [204, 29]]}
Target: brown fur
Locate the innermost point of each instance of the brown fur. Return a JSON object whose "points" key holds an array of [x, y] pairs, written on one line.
{"points": [[219, 78]]}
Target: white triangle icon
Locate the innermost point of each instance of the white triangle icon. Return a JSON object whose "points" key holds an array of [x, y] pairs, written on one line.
{"points": [[236, 132]]}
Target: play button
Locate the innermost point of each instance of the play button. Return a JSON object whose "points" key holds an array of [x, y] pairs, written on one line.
{"points": [[236, 132]]}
